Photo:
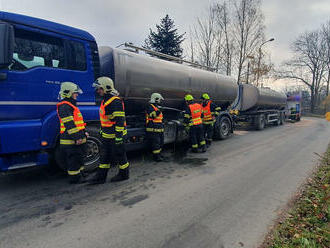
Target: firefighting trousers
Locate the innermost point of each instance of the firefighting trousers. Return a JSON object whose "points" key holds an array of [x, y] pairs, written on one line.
{"points": [[112, 155], [196, 135], [155, 141], [208, 131], [74, 158]]}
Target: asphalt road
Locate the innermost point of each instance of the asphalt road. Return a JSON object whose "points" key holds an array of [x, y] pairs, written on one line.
{"points": [[227, 197]]}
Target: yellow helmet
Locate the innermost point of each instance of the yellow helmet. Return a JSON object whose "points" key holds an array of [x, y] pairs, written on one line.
{"points": [[188, 97], [106, 84], [68, 88], [205, 96]]}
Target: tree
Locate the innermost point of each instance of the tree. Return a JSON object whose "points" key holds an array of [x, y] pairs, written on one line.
{"points": [[232, 31], [309, 63], [165, 39], [206, 37]]}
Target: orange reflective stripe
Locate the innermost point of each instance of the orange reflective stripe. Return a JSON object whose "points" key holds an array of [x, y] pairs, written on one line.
{"points": [[77, 117], [158, 119], [207, 112], [196, 113]]}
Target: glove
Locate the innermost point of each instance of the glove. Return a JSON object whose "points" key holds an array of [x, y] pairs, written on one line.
{"points": [[119, 141]]}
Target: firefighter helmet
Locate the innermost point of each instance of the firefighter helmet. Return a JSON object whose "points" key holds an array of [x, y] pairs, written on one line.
{"points": [[106, 84], [67, 89], [156, 98]]}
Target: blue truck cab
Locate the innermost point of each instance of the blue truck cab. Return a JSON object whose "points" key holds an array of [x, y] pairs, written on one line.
{"points": [[35, 57]]}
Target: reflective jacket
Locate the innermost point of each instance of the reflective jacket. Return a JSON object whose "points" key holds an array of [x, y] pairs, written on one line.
{"points": [[72, 124], [154, 119], [112, 117], [193, 114], [210, 111]]}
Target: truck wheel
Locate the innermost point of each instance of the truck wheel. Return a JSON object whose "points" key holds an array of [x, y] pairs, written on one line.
{"points": [[278, 122], [93, 147], [260, 122], [222, 128], [92, 156]]}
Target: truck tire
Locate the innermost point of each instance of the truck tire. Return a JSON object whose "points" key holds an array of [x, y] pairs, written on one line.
{"points": [[260, 122], [92, 151], [222, 128]]}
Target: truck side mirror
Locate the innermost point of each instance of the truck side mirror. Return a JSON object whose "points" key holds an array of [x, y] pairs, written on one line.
{"points": [[6, 44]]}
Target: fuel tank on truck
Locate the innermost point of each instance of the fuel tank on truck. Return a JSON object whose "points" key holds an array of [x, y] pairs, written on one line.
{"points": [[137, 76], [253, 98]]}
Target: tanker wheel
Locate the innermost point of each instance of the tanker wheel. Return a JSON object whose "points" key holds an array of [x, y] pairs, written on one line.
{"points": [[260, 122], [222, 129], [92, 151]]}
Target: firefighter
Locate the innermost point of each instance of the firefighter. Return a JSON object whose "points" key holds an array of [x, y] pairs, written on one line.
{"points": [[210, 112], [155, 126], [72, 131], [193, 115], [113, 132]]}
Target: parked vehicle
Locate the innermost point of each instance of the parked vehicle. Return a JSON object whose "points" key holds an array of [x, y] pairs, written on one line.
{"points": [[293, 111], [259, 106]]}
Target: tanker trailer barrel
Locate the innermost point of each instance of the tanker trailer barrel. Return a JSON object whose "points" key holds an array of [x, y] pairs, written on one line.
{"points": [[137, 76]]}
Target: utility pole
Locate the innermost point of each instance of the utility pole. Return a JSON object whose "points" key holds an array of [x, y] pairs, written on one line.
{"points": [[259, 59]]}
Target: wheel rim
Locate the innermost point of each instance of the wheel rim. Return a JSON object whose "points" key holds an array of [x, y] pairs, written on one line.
{"points": [[92, 152], [225, 128]]}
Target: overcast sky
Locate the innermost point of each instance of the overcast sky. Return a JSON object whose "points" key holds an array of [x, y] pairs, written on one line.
{"points": [[113, 22]]}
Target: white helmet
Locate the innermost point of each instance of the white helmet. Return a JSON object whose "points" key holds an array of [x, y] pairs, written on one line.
{"points": [[156, 98], [106, 84], [67, 89]]}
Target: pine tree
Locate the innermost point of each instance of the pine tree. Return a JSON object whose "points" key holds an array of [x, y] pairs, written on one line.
{"points": [[166, 39]]}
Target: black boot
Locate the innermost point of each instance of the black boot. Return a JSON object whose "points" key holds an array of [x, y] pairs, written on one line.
{"points": [[194, 150], [123, 174], [157, 157], [208, 143], [100, 176], [77, 179], [203, 148]]}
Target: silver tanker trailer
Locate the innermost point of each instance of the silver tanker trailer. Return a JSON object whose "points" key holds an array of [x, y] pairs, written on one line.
{"points": [[259, 106], [136, 76]]}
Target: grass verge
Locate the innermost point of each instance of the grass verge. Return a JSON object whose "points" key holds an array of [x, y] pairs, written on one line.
{"points": [[306, 223]]}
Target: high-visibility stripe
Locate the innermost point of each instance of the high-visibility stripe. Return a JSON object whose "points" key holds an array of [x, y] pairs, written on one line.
{"points": [[67, 142], [203, 142], [104, 166], [73, 130], [194, 146], [108, 136], [118, 114], [119, 129], [156, 130], [70, 142], [73, 173], [124, 166], [67, 119], [208, 122], [156, 151]]}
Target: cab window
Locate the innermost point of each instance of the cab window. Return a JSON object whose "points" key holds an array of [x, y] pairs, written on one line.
{"points": [[34, 50]]}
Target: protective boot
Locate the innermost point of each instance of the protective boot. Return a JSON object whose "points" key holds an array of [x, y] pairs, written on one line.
{"points": [[157, 157], [194, 150], [203, 148], [77, 179], [123, 174], [100, 176], [208, 143]]}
